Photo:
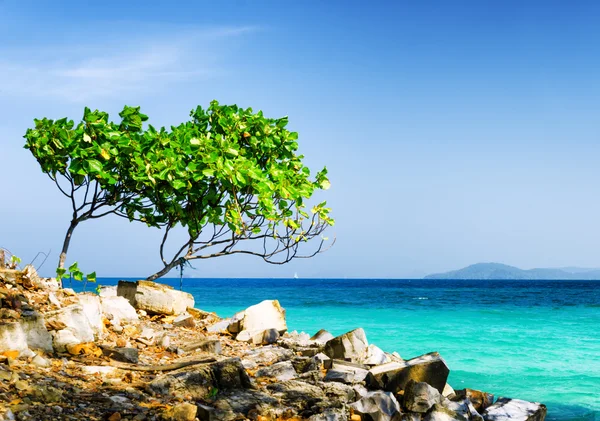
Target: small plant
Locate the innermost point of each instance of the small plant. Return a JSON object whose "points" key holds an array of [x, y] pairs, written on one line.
{"points": [[75, 273], [14, 262]]}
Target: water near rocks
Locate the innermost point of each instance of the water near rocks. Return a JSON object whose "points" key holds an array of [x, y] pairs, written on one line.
{"points": [[534, 340]]}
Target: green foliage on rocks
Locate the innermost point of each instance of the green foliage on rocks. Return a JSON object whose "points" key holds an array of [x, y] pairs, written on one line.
{"points": [[227, 176]]}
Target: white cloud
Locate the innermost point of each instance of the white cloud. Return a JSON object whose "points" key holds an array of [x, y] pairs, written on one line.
{"points": [[85, 71]]}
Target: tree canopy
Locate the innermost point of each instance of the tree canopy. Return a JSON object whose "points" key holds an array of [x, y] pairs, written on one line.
{"points": [[232, 178]]}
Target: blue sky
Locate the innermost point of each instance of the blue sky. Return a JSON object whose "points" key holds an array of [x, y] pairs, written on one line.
{"points": [[454, 132]]}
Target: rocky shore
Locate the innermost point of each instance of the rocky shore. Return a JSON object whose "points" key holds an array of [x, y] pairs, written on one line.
{"points": [[141, 351]]}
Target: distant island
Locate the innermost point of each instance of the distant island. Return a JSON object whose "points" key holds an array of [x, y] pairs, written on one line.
{"points": [[500, 271]]}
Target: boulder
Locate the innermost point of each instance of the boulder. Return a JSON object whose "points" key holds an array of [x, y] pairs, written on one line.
{"points": [[349, 346], [27, 332], [345, 372], [375, 356], [211, 346], [394, 376], [297, 394], [281, 371], [219, 327], [321, 337], [480, 400], [265, 315], [506, 409], [420, 397], [448, 391], [378, 406], [184, 320], [108, 291], [123, 354], [197, 381], [78, 328], [155, 298], [330, 414], [118, 310], [92, 308], [441, 413], [265, 356]]}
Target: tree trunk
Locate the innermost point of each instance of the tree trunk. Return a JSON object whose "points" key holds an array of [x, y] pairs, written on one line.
{"points": [[166, 269], [63, 253]]}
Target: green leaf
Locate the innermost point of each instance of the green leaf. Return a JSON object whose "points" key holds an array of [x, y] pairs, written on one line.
{"points": [[91, 277], [94, 166], [73, 267]]}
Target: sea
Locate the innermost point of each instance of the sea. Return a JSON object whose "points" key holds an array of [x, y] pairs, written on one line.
{"points": [[533, 340]]}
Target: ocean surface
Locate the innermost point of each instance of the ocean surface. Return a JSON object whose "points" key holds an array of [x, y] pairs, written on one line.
{"points": [[534, 340]]}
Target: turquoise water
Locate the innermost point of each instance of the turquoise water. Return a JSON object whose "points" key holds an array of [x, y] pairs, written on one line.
{"points": [[535, 340]]}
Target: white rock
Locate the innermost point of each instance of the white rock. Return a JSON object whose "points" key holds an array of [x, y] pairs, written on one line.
{"points": [[78, 326], [448, 390], [26, 354], [108, 291], [506, 409], [93, 311], [281, 371], [28, 332], [349, 346], [118, 309], [12, 337], [53, 300], [375, 356], [155, 298], [99, 369], [40, 361], [46, 284], [219, 326], [322, 336], [147, 333], [265, 315], [379, 406]]}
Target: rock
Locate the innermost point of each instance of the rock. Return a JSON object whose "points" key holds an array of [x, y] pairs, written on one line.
{"points": [[93, 311], [330, 414], [219, 326], [165, 341], [147, 333], [506, 409], [184, 320], [47, 394], [118, 310], [155, 298], [297, 394], [349, 346], [281, 371], [183, 412], [265, 315], [100, 369], [108, 291], [197, 381], [86, 348], [440, 413], [40, 361], [394, 376], [448, 391], [420, 397], [77, 330], [123, 354], [322, 336], [30, 274], [53, 300], [346, 372], [28, 332], [26, 354], [116, 416], [480, 400], [379, 406], [375, 356], [341, 392], [265, 356], [268, 336]]}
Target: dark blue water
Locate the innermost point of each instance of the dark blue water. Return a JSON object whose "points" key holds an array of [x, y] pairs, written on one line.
{"points": [[535, 340]]}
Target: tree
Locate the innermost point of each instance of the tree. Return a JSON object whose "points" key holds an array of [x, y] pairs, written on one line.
{"points": [[231, 178], [88, 164], [234, 180]]}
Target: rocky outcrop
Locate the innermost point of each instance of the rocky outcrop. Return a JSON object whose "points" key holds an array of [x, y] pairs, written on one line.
{"points": [[350, 346], [75, 325], [378, 406], [118, 310], [155, 298], [506, 409], [420, 397], [28, 332], [394, 376], [260, 324]]}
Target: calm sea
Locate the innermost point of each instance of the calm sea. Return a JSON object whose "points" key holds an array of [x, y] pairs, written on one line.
{"points": [[535, 340]]}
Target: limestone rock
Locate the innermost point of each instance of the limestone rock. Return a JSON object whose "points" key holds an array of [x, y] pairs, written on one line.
{"points": [[506, 409], [440, 413], [448, 391], [184, 320], [78, 328], [297, 394], [155, 298], [345, 372], [93, 311], [118, 310], [219, 327], [28, 332], [480, 400], [108, 291], [379, 406], [197, 381], [349, 346], [265, 315], [375, 356], [281, 371], [420, 397], [394, 376], [31, 276]]}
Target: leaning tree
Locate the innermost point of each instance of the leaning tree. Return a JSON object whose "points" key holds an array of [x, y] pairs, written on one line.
{"points": [[88, 163], [231, 179], [234, 181]]}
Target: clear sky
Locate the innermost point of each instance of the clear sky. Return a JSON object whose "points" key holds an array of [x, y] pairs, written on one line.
{"points": [[454, 132]]}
